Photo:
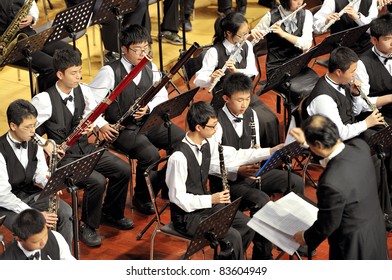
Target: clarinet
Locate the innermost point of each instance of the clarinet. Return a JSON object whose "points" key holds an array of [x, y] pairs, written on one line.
{"points": [[151, 92], [253, 144], [342, 12], [225, 183], [101, 107], [53, 198]]}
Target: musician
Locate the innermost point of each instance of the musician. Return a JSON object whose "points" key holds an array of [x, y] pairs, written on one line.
{"points": [[349, 213], [143, 147], [375, 65], [230, 31], [24, 172], [34, 241], [186, 177], [288, 40], [236, 118], [60, 110], [225, 6], [41, 60], [360, 13]]}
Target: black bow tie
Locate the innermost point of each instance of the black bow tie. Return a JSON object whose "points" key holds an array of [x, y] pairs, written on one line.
{"points": [[386, 59], [237, 120], [19, 145], [203, 148], [69, 98], [34, 256]]}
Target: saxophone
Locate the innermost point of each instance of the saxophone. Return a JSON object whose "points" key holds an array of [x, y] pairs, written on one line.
{"points": [[53, 198], [10, 37], [225, 183]]}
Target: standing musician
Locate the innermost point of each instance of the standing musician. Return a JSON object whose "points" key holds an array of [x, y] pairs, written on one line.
{"points": [[349, 213], [144, 147], [60, 110], [287, 40], [24, 172], [41, 60], [229, 32], [236, 119], [360, 13], [186, 177]]}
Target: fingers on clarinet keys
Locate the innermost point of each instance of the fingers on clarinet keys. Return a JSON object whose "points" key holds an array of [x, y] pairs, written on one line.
{"points": [[89, 236]]}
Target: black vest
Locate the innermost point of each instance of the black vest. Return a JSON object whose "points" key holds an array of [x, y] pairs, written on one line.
{"points": [[51, 249], [230, 136], [196, 182], [364, 42], [130, 94], [344, 103], [279, 49], [62, 123], [21, 180], [8, 10]]}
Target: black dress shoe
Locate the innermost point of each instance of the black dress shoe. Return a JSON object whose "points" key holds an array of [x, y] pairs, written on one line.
{"points": [[144, 207], [123, 223], [89, 236]]}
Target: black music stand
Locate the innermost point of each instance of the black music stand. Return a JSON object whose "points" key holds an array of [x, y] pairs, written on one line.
{"points": [[71, 21], [280, 157], [282, 76], [379, 142], [66, 177], [212, 229], [114, 9], [25, 47], [162, 114]]}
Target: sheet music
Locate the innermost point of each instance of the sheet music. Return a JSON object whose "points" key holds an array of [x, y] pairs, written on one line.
{"points": [[279, 221], [290, 139]]}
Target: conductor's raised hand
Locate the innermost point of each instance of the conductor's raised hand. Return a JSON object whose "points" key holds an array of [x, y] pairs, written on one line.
{"points": [[221, 197]]}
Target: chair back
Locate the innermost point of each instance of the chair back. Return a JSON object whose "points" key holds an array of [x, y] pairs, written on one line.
{"points": [[193, 65]]}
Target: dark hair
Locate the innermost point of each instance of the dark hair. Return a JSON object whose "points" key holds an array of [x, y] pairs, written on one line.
{"points": [[231, 22], [286, 4], [322, 129], [236, 82], [28, 223], [199, 114], [381, 26], [341, 58], [134, 34], [65, 58], [20, 110]]}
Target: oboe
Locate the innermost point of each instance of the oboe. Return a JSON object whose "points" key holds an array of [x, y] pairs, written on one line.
{"points": [[53, 198], [225, 183], [342, 12]]}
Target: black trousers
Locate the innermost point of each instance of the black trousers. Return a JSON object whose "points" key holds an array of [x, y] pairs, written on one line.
{"points": [[225, 5], [145, 148], [170, 16], [118, 173]]}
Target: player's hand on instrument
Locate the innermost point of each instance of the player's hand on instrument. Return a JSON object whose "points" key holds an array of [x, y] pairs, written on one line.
{"points": [[277, 29], [141, 112], [256, 34], [217, 74], [50, 218], [108, 132], [27, 21], [333, 16], [374, 119], [231, 66], [221, 197], [349, 10], [89, 128]]}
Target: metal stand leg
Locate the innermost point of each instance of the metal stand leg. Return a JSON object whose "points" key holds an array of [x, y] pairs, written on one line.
{"points": [[75, 220]]}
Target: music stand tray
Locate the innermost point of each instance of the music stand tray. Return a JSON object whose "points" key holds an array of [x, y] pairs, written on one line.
{"points": [[170, 109], [279, 157], [76, 171], [344, 38], [218, 224], [382, 139], [106, 12], [72, 20]]}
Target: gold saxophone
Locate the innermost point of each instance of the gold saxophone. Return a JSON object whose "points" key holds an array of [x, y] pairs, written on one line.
{"points": [[10, 37], [225, 183], [53, 198]]}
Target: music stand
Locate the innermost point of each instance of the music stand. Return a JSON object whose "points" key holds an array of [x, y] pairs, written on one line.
{"points": [[379, 142], [25, 47], [66, 177], [162, 114], [114, 9], [71, 21], [280, 157], [284, 73], [213, 228]]}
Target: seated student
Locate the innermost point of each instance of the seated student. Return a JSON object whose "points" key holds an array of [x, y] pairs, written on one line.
{"points": [[360, 13], [186, 177], [375, 65], [24, 172], [60, 110], [240, 130], [349, 212], [229, 32], [34, 241]]}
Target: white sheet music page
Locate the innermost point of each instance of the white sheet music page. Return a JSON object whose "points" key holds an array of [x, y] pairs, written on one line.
{"points": [[279, 221]]}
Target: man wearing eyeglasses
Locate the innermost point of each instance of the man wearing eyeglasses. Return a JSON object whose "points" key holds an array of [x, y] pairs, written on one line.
{"points": [[144, 147]]}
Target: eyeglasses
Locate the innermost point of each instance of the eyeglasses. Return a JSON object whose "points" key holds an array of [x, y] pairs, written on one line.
{"points": [[28, 128], [212, 126], [140, 51], [242, 35]]}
